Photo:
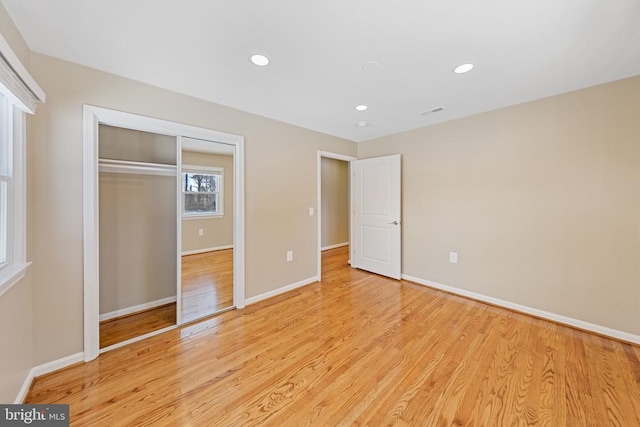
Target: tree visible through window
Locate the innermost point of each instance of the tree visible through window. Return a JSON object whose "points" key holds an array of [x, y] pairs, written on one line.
{"points": [[202, 193]]}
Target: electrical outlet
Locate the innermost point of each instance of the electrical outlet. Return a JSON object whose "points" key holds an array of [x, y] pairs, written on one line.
{"points": [[289, 256], [311, 211], [201, 232], [453, 257]]}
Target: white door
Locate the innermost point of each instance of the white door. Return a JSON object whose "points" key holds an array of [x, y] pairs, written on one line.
{"points": [[376, 215]]}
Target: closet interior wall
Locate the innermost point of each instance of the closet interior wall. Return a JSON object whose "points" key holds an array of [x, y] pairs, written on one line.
{"points": [[137, 219]]}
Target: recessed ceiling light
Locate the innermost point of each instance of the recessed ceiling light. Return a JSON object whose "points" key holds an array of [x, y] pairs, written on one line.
{"points": [[259, 60], [362, 124], [464, 68], [370, 67], [361, 107]]}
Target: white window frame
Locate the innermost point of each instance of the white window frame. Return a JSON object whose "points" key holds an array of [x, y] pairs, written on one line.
{"points": [[20, 96], [205, 170], [13, 144]]}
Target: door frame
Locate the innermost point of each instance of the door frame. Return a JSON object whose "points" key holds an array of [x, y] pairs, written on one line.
{"points": [[94, 116], [335, 156]]}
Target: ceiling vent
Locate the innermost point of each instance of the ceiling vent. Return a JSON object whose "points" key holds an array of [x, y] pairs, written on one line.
{"points": [[433, 110]]}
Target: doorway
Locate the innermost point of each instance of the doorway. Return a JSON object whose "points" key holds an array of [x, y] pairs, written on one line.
{"points": [[334, 222], [94, 117]]}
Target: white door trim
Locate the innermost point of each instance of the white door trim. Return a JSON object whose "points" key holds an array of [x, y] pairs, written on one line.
{"points": [[92, 117], [179, 230], [336, 156]]}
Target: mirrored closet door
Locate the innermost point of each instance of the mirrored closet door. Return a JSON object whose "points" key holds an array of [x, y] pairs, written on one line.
{"points": [[207, 225], [163, 226], [137, 233]]}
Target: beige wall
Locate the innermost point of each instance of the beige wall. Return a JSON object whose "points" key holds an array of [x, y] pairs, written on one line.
{"points": [[137, 221], [540, 200], [16, 305], [11, 34], [132, 145], [217, 231], [335, 201], [16, 356], [280, 186], [137, 239]]}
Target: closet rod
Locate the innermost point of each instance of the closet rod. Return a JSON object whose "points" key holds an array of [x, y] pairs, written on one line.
{"points": [[125, 166]]}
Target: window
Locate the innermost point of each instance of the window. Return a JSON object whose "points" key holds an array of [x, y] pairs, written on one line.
{"points": [[202, 191], [5, 179], [19, 95], [12, 194]]}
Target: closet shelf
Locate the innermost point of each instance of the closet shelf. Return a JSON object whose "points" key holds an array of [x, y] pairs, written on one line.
{"points": [[126, 166]]}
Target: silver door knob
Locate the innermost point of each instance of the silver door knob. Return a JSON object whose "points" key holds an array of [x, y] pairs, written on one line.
{"points": [[394, 223]]}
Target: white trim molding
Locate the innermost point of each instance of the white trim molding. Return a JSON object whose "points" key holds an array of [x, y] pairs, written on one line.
{"points": [[337, 245], [137, 308], [21, 87], [203, 250], [44, 369], [558, 318], [94, 116], [281, 290], [195, 217], [11, 275], [14, 135]]}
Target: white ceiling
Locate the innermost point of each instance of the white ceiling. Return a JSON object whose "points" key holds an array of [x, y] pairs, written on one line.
{"points": [[523, 50]]}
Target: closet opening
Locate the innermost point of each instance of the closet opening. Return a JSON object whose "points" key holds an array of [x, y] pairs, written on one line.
{"points": [[137, 233], [163, 226]]}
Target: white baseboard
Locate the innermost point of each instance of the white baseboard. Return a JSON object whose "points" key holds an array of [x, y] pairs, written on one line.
{"points": [[46, 368], [337, 245], [281, 290], [136, 308], [26, 385], [558, 318], [201, 251]]}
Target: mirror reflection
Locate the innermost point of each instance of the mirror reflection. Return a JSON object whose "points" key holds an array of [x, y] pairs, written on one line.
{"points": [[207, 228], [137, 233]]}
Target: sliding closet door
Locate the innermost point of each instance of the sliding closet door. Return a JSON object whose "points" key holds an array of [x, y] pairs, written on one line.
{"points": [[207, 187], [137, 233]]}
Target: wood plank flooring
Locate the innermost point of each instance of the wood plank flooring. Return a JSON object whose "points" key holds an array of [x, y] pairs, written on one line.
{"points": [[126, 327], [207, 283], [357, 349], [207, 287]]}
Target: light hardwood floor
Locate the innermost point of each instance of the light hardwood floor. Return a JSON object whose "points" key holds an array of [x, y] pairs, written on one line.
{"points": [[134, 325], [357, 349], [207, 287], [207, 283]]}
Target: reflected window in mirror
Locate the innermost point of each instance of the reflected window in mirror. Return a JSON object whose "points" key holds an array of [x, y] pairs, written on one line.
{"points": [[202, 191]]}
